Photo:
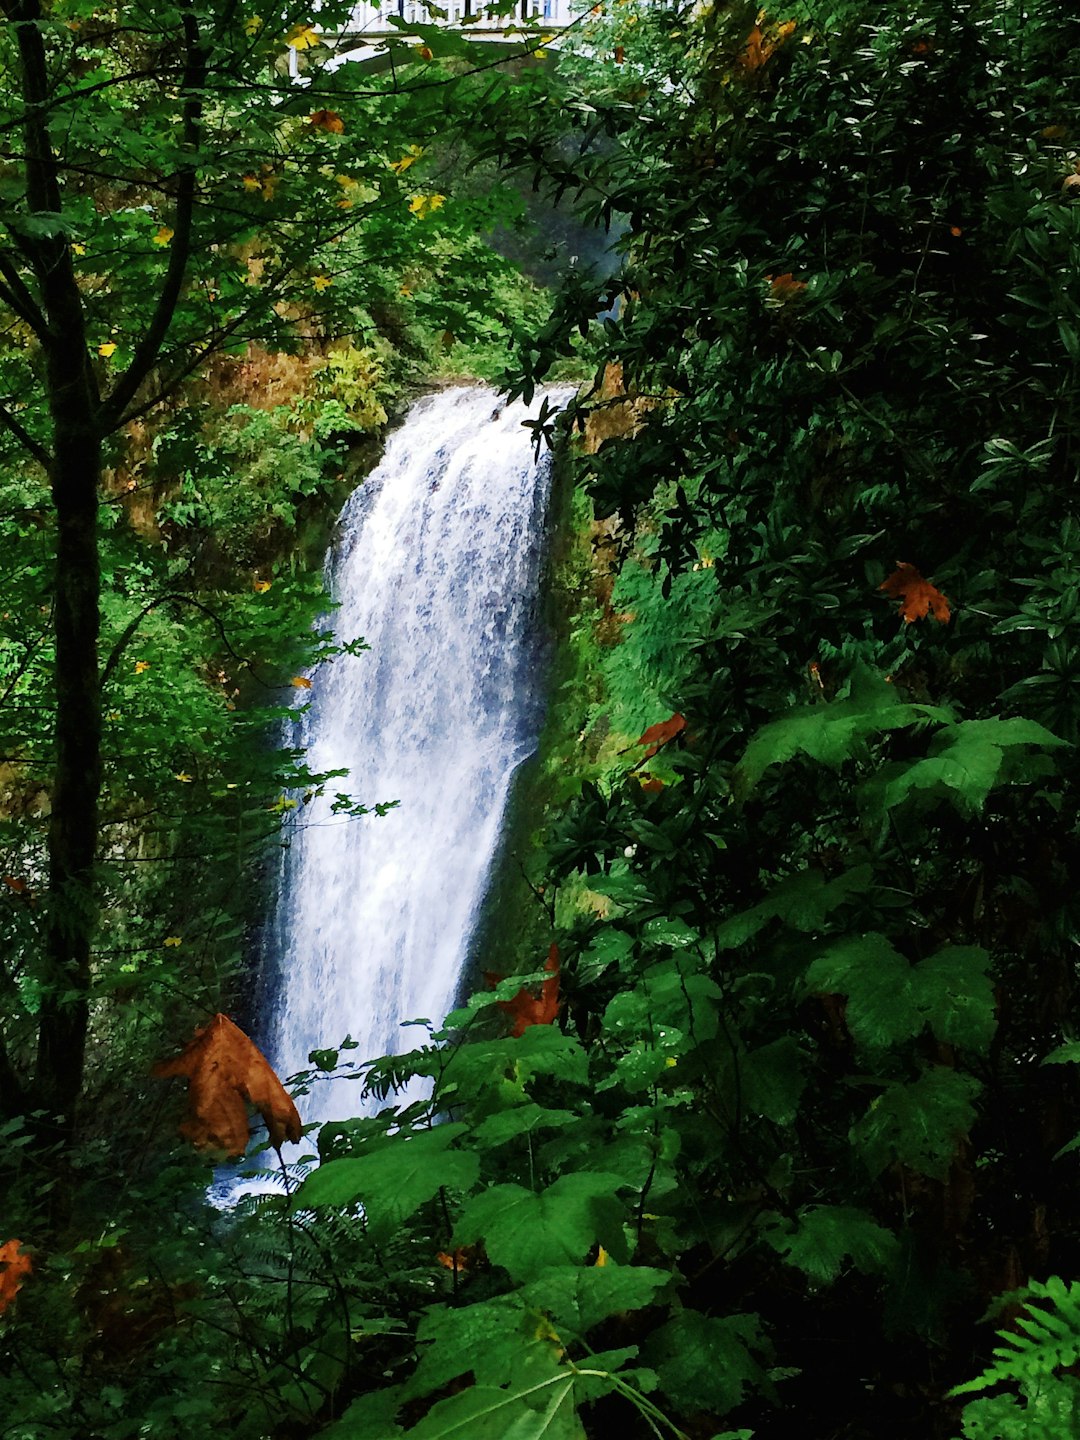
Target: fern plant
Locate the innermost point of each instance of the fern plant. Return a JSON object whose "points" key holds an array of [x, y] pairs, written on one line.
{"points": [[1034, 1360]]}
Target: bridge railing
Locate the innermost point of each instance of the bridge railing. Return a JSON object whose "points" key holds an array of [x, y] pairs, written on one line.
{"points": [[376, 18]]}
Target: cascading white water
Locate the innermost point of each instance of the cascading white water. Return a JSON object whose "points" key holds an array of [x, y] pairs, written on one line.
{"points": [[437, 567]]}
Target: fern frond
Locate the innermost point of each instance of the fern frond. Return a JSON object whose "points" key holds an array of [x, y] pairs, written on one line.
{"points": [[1047, 1338]]}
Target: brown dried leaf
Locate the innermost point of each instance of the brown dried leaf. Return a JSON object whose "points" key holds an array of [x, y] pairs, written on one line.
{"points": [[661, 734], [917, 596], [224, 1069], [13, 1266], [526, 1009]]}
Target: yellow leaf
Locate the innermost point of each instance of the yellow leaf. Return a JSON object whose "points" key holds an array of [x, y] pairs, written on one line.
{"points": [[171, 941], [183, 777], [424, 205], [302, 37], [425, 52], [261, 586], [321, 282], [141, 665], [106, 350], [253, 26], [252, 182], [300, 682], [412, 154], [601, 1256], [163, 236], [78, 249]]}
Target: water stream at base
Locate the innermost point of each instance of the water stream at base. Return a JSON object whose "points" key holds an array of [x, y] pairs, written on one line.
{"points": [[437, 567]]}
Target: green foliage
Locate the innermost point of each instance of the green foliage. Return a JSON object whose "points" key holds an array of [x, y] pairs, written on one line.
{"points": [[1039, 1349], [788, 1133]]}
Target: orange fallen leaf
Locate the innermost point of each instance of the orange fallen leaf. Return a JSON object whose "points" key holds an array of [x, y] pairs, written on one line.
{"points": [[459, 1261], [300, 682], [660, 734], [224, 1070], [328, 120], [526, 1009], [16, 883], [917, 596], [13, 1266], [784, 287]]}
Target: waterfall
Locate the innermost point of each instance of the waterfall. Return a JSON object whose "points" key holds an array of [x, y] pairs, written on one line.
{"points": [[437, 566]]}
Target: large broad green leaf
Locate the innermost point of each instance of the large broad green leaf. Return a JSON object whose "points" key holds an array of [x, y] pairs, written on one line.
{"points": [[393, 1180], [706, 1362], [802, 901], [772, 1080], [493, 1074], [541, 1411], [506, 1125], [492, 1340], [669, 994], [578, 1299], [827, 1235], [371, 1417], [876, 979], [918, 1124], [891, 1000], [526, 1232], [831, 732], [964, 764], [954, 991]]}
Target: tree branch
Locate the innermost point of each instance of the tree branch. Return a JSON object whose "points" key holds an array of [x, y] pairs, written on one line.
{"points": [[25, 439], [176, 598], [18, 298]]}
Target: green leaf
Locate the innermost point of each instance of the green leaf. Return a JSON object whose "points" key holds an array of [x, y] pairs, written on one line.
{"points": [[890, 1000], [772, 1079], [1067, 1054], [542, 1411], [491, 1339], [393, 1179], [954, 991], [578, 1299], [803, 901], [496, 1072], [964, 764], [831, 732], [371, 1417], [876, 979], [826, 1236], [527, 1232], [918, 1124], [506, 1125], [706, 1362]]}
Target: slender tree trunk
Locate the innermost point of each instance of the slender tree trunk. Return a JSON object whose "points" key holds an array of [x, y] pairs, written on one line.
{"points": [[75, 471], [73, 823]]}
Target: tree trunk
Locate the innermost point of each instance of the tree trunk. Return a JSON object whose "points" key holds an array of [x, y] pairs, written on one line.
{"points": [[73, 823]]}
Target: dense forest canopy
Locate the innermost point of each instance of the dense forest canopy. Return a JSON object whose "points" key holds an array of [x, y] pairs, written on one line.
{"points": [[777, 1117]]}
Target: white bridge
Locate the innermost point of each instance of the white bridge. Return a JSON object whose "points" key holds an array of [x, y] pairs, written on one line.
{"points": [[525, 22], [378, 21]]}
